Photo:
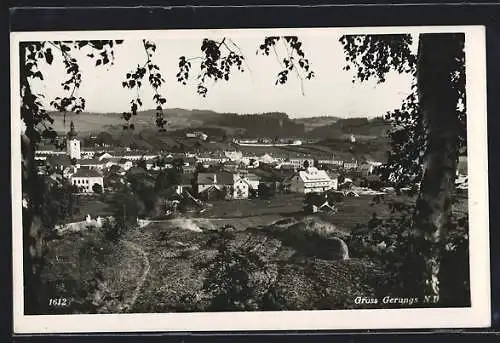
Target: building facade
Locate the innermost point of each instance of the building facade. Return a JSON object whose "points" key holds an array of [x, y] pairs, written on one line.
{"points": [[311, 180], [85, 179]]}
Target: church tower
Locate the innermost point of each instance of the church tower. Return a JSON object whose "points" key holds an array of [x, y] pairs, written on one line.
{"points": [[73, 143]]}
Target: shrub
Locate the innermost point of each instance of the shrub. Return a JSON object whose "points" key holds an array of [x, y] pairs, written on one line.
{"points": [[387, 242], [239, 278], [97, 188]]}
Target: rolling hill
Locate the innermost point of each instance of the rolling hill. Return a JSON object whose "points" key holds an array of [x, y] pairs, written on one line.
{"points": [[251, 125]]}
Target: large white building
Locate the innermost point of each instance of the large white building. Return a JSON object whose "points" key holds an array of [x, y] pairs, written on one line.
{"points": [[85, 179], [312, 180]]}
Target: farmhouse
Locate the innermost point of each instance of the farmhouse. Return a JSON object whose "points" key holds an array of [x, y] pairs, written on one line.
{"points": [[85, 179], [218, 180], [311, 180], [225, 184], [240, 188], [319, 203]]}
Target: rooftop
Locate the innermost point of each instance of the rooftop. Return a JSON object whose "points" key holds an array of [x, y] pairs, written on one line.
{"points": [[224, 178], [87, 173], [314, 174], [90, 161]]}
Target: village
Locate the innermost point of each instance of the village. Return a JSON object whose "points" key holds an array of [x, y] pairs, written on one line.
{"points": [[205, 177]]}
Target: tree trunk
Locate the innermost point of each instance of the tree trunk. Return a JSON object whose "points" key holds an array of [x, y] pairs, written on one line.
{"points": [[32, 224], [437, 54]]}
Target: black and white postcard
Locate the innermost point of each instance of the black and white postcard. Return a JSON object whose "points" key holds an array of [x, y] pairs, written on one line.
{"points": [[250, 179]]}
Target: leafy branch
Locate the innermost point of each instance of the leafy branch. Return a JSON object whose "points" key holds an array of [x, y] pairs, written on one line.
{"points": [[134, 80], [373, 56], [290, 63], [216, 64]]}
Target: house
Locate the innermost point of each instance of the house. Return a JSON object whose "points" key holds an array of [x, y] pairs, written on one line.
{"points": [[185, 183], [234, 155], [226, 184], [210, 159], [318, 203], [114, 182], [59, 162], [104, 155], [219, 180], [300, 162], [350, 165], [69, 171], [286, 166], [231, 166], [251, 161], [334, 176], [240, 188], [201, 135], [366, 168], [350, 193], [252, 180], [87, 153], [330, 161], [126, 164], [268, 159], [311, 180], [85, 179], [48, 149], [91, 163]]}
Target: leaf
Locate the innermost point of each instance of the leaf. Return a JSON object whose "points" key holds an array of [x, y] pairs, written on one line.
{"points": [[38, 74], [48, 56]]}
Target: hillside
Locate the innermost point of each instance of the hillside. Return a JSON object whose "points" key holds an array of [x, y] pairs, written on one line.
{"points": [[368, 128], [220, 126], [315, 122]]}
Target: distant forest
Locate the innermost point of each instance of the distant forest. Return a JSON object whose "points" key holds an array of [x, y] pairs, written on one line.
{"points": [[262, 125]]}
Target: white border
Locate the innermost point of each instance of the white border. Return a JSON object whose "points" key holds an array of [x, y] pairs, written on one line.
{"points": [[478, 315]]}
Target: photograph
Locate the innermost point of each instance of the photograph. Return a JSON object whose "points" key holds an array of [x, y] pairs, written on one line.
{"points": [[249, 179]]}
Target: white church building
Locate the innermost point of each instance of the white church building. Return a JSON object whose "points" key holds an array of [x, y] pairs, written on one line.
{"points": [[73, 148]]}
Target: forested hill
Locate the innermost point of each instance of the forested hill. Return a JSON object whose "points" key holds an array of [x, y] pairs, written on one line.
{"points": [[270, 124]]}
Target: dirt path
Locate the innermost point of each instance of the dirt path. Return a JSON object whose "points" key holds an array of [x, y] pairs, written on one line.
{"points": [[129, 305]]}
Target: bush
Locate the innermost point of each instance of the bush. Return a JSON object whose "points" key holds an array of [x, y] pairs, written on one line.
{"points": [[97, 188], [239, 278]]}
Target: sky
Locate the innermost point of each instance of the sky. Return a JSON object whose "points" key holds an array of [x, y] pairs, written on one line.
{"points": [[330, 93]]}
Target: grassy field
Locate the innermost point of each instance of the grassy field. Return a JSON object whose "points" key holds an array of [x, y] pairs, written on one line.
{"points": [[281, 204], [162, 267], [93, 205]]}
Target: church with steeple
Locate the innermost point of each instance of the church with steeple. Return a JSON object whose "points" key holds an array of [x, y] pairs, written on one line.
{"points": [[73, 143]]}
